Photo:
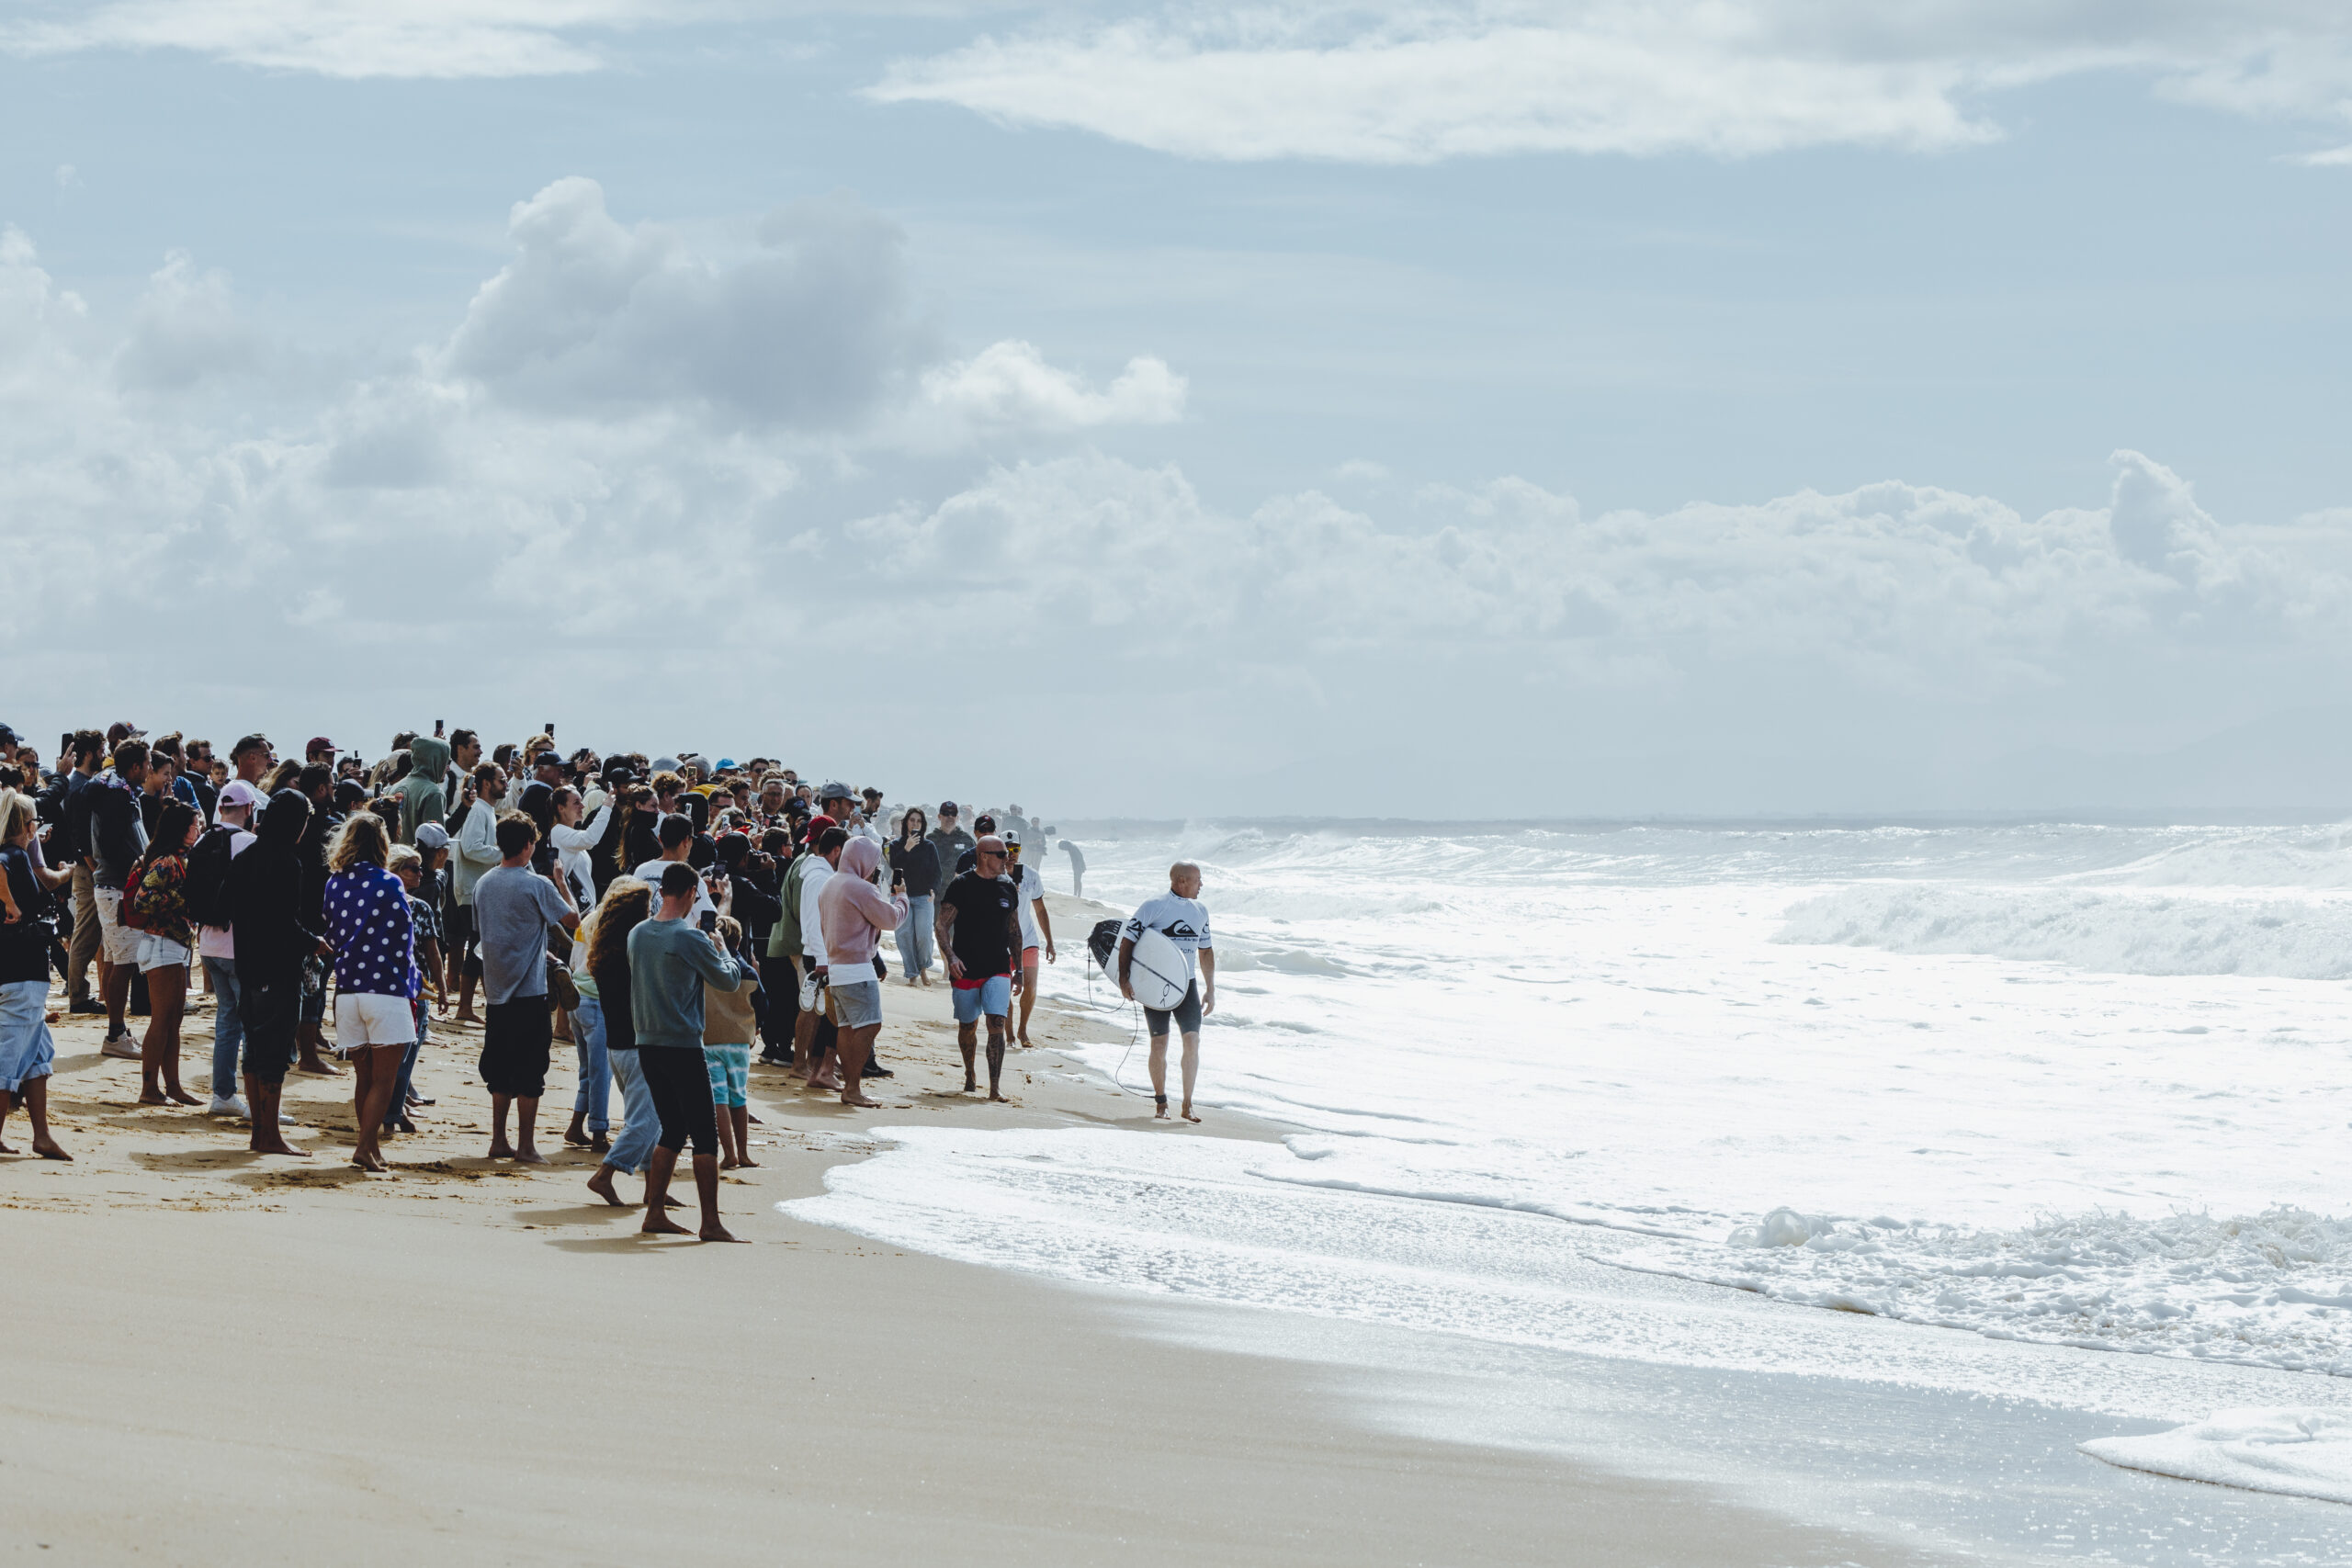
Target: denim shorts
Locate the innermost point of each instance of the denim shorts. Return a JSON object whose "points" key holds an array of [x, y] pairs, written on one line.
{"points": [[992, 995], [856, 1004]]}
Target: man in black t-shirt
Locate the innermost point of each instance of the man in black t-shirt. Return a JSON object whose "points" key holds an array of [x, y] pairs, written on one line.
{"points": [[979, 930]]}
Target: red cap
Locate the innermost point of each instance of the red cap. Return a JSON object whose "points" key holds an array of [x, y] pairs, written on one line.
{"points": [[818, 823], [318, 743]]}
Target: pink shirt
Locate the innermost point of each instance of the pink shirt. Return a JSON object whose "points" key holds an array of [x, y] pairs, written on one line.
{"points": [[855, 915]]}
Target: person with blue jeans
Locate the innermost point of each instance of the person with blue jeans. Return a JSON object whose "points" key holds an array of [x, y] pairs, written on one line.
{"points": [[627, 903], [411, 863], [217, 945], [592, 1101], [914, 861]]}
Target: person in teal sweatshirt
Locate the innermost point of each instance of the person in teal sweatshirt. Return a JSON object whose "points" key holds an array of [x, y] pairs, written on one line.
{"points": [[671, 959]]}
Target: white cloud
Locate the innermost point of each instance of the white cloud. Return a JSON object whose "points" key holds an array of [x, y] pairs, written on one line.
{"points": [[186, 329], [809, 331], [1414, 82], [348, 38], [1900, 587], [1009, 386], [611, 557]]}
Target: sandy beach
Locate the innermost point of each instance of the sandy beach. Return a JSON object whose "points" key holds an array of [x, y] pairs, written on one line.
{"points": [[219, 1358]]}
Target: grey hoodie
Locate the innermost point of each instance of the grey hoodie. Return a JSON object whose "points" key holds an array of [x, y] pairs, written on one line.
{"points": [[423, 799]]}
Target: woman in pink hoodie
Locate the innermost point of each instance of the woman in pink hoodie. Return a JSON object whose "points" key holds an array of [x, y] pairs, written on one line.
{"points": [[854, 916]]}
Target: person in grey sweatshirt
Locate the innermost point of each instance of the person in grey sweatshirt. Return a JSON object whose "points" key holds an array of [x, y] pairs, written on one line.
{"points": [[670, 961]]}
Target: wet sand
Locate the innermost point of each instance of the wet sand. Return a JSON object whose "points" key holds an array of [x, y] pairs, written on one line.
{"points": [[216, 1356]]}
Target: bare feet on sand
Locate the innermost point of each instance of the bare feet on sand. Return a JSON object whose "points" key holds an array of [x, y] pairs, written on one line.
{"points": [[600, 1184], [47, 1149], [857, 1098], [659, 1222], [717, 1233], [273, 1143], [526, 1155], [998, 1098]]}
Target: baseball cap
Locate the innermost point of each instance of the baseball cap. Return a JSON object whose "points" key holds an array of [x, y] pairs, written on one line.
{"points": [[429, 835], [123, 730], [947, 806], [239, 793], [665, 764], [834, 792], [818, 823], [317, 743], [1010, 837], [726, 762]]}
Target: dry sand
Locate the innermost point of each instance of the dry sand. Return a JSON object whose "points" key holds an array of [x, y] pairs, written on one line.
{"points": [[217, 1358]]}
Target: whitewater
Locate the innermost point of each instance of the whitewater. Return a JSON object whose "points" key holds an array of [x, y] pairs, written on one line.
{"points": [[2071, 1086]]}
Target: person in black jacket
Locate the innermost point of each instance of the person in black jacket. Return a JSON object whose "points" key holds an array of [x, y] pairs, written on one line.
{"points": [[70, 845], [756, 908], [276, 936], [118, 838], [317, 782]]}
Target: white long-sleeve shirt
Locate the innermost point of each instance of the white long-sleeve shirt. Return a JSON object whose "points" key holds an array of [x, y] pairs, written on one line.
{"points": [[572, 847], [812, 922], [477, 848]]}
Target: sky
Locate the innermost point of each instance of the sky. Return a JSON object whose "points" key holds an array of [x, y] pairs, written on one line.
{"points": [[1528, 409]]}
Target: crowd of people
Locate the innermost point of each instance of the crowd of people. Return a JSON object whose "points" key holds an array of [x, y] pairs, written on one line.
{"points": [[666, 917]]}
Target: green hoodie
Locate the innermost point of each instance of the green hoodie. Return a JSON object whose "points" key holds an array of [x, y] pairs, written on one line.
{"points": [[422, 799]]}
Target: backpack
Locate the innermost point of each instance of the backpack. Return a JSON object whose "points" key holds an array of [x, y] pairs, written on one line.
{"points": [[208, 877], [132, 911]]}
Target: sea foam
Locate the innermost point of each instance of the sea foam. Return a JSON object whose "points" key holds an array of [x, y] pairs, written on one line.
{"points": [[2113, 932]]}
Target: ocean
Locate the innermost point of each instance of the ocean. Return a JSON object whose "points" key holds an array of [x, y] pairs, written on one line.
{"points": [[1558, 1088]]}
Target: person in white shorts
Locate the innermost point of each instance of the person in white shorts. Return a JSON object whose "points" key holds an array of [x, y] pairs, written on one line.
{"points": [[376, 977]]}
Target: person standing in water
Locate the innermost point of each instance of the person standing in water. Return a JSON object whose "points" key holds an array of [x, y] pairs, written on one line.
{"points": [[1181, 915]]}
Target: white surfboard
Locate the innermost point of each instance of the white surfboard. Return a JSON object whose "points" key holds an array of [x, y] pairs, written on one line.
{"points": [[1158, 971]]}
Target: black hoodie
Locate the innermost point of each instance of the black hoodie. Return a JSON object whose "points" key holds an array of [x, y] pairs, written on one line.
{"points": [[263, 896]]}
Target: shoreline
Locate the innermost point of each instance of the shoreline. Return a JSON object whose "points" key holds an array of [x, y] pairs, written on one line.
{"points": [[284, 1358]]}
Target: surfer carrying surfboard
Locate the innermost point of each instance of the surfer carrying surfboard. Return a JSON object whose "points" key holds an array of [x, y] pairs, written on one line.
{"points": [[1166, 962]]}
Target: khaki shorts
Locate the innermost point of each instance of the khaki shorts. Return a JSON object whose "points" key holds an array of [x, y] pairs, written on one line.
{"points": [[119, 942]]}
